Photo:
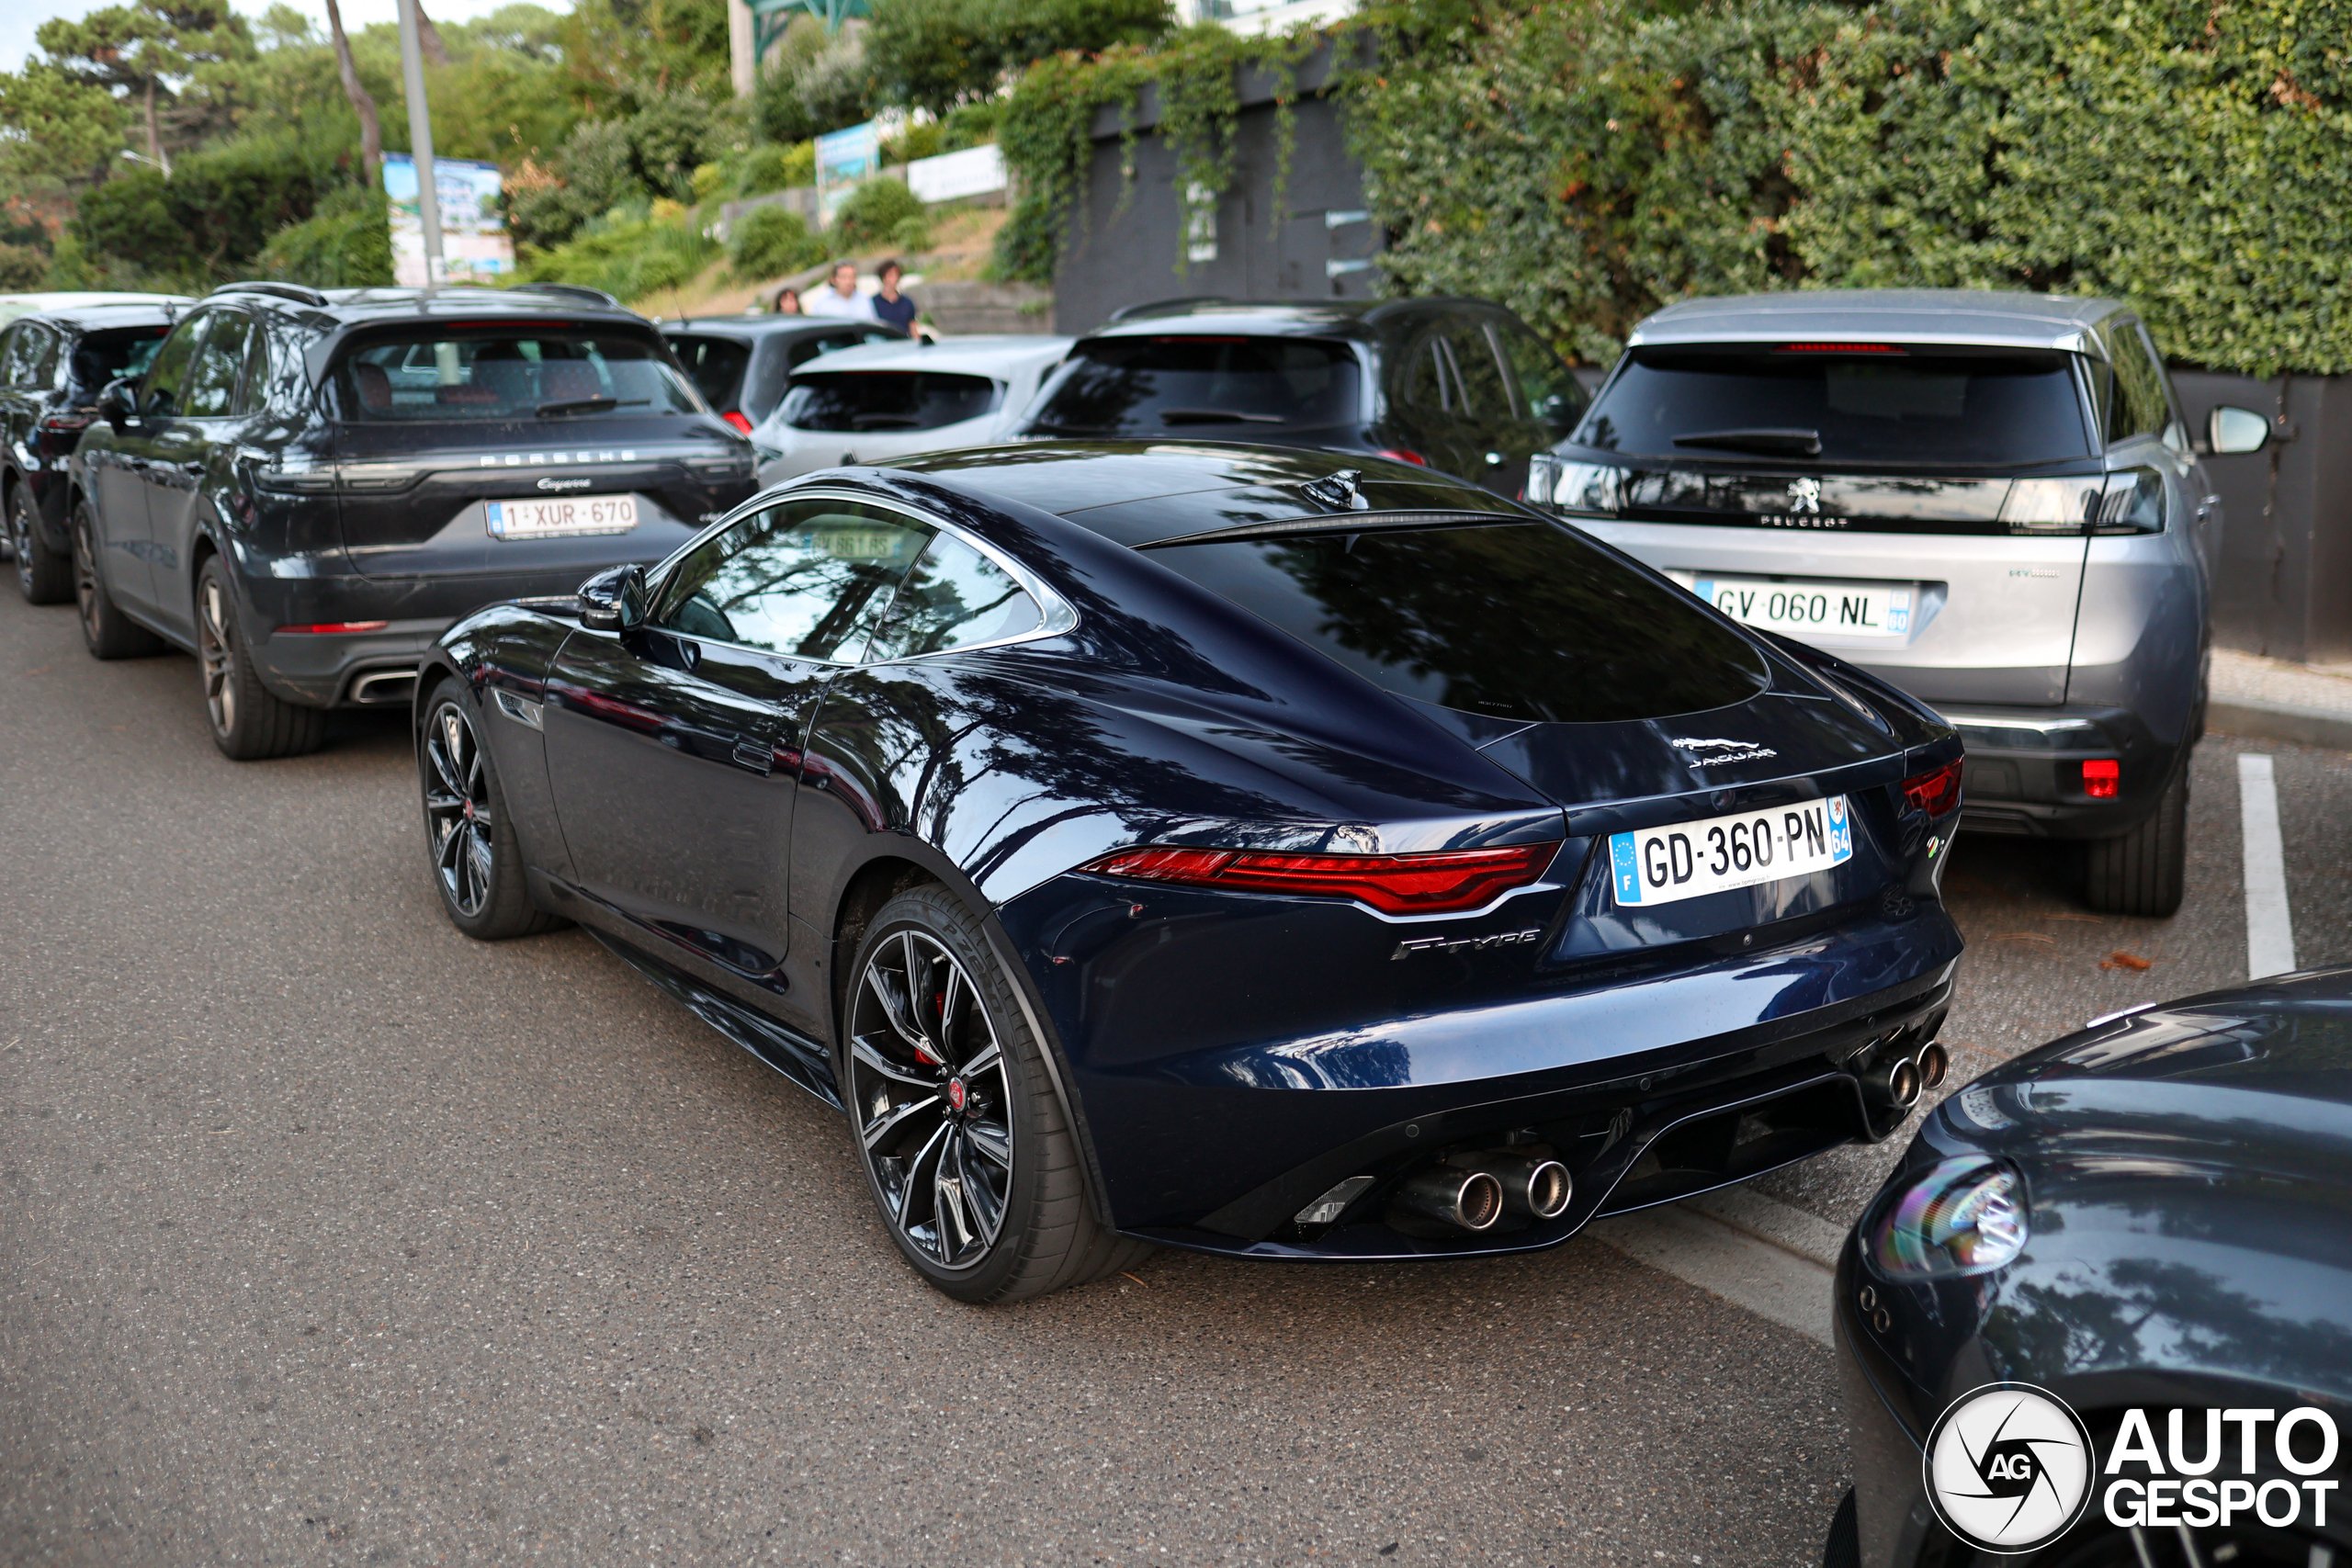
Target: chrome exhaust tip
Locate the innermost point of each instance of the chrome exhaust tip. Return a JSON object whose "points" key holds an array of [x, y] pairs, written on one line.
{"points": [[1894, 1081], [1934, 1063], [1467, 1200], [1533, 1189]]}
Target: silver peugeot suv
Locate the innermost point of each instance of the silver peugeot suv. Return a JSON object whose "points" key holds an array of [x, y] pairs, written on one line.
{"points": [[1988, 499]]}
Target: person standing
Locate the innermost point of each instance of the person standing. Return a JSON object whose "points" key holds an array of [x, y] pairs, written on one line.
{"points": [[841, 299], [891, 307]]}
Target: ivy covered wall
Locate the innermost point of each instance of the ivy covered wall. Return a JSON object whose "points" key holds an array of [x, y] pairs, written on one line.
{"points": [[1587, 161]]}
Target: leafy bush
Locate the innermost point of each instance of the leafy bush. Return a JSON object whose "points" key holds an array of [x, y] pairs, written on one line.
{"points": [[769, 242], [614, 162], [21, 267], [936, 54], [876, 213], [1587, 166], [211, 218], [770, 166], [818, 83], [346, 243], [626, 257]]}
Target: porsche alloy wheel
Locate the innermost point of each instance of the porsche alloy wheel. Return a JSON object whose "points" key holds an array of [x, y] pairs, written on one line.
{"points": [[966, 1144], [106, 630], [249, 721], [934, 1113], [459, 812]]}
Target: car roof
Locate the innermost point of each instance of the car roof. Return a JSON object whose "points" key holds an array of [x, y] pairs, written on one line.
{"points": [[992, 355], [1137, 492], [1977, 317], [1357, 319], [757, 326], [352, 307]]}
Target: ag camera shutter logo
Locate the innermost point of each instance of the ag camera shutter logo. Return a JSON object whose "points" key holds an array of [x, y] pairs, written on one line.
{"points": [[2008, 1468]]}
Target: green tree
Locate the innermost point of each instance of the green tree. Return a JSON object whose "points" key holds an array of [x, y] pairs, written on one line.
{"points": [[144, 54], [936, 54]]}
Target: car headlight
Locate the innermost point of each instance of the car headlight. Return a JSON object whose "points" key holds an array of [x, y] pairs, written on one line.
{"points": [[1959, 1216]]}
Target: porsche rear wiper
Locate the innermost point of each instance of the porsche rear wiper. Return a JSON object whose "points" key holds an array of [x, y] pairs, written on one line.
{"points": [[1772, 442], [588, 405], [1217, 416]]}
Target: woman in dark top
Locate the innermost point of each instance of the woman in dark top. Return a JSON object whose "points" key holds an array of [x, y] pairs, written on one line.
{"points": [[890, 307]]}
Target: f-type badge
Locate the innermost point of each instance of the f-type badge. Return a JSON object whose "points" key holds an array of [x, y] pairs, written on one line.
{"points": [[1420, 944]]}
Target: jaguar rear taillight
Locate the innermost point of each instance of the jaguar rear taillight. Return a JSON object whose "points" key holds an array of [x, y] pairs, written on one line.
{"points": [[1404, 455], [1436, 883], [1935, 792]]}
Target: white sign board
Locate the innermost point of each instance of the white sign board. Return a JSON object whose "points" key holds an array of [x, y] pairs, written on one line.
{"points": [[976, 171], [474, 243]]}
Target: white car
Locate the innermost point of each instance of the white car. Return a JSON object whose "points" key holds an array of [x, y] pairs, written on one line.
{"points": [[14, 305], [882, 401]]}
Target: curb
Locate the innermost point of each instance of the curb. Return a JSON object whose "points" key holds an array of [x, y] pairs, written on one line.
{"points": [[2279, 721]]}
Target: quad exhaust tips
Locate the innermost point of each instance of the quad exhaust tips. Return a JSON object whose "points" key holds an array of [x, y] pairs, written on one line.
{"points": [[1467, 1200], [1533, 1189]]}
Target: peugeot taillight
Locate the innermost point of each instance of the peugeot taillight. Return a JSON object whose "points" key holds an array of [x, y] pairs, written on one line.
{"points": [[1438, 882], [2102, 776], [1934, 793]]}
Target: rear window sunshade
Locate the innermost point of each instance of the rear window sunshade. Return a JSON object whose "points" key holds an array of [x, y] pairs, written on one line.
{"points": [[1525, 621]]}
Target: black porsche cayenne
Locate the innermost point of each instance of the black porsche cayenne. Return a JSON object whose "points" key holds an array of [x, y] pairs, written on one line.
{"points": [[305, 488], [1222, 847]]}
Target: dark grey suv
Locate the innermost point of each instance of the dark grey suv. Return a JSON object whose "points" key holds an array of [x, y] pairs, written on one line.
{"points": [[1989, 500]]}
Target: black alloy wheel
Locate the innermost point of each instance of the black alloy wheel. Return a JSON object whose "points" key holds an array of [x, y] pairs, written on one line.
{"points": [[43, 576], [965, 1144], [476, 866], [249, 721], [106, 632]]}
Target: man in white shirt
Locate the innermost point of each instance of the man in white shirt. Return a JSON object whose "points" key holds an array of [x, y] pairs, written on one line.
{"points": [[842, 298]]}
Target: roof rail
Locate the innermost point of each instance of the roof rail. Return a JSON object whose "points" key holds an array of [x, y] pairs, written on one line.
{"points": [[294, 291], [569, 291], [1130, 312]]}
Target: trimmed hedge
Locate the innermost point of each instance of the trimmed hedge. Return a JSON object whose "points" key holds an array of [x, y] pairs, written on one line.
{"points": [[1587, 164]]}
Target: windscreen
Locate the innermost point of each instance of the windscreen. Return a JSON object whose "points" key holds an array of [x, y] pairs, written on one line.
{"points": [[508, 373], [716, 367], [888, 400], [1231, 386], [1911, 407], [119, 352], [1522, 620]]}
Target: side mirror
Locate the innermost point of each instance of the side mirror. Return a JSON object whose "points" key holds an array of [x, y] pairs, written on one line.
{"points": [[2232, 432], [119, 403], [613, 599]]}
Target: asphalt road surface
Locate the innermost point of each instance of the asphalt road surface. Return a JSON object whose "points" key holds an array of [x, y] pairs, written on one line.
{"points": [[328, 1236]]}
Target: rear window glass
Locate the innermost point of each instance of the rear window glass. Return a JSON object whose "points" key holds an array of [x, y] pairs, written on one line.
{"points": [[1515, 621], [101, 358], [508, 373], [1913, 409], [715, 365], [886, 399], [1146, 386]]}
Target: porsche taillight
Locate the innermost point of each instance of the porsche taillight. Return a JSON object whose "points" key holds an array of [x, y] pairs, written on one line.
{"points": [[1436, 883]]}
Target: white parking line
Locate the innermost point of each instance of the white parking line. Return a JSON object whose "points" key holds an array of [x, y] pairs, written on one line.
{"points": [[1751, 1251], [2269, 932]]}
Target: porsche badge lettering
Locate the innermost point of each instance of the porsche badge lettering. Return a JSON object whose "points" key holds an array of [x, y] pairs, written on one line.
{"points": [[1420, 945]]}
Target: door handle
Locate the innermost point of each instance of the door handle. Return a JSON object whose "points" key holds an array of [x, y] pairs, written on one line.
{"points": [[755, 754]]}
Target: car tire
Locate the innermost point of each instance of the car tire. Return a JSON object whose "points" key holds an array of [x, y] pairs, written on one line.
{"points": [[249, 722], [953, 1115], [2142, 872], [469, 835], [1844, 1547], [106, 630], [43, 576]]}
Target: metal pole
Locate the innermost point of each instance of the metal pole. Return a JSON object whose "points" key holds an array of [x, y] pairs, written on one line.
{"points": [[420, 141]]}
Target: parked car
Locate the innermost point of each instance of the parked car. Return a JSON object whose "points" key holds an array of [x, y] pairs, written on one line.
{"points": [[893, 400], [53, 368], [1460, 386], [305, 488], [13, 306], [740, 364], [1988, 499], [1189, 843], [2148, 1213]]}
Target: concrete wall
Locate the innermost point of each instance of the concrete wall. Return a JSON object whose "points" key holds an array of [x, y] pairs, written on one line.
{"points": [[2284, 588], [1315, 242]]}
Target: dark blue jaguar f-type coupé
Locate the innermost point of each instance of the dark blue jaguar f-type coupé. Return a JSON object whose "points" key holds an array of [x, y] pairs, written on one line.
{"points": [[1218, 847]]}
